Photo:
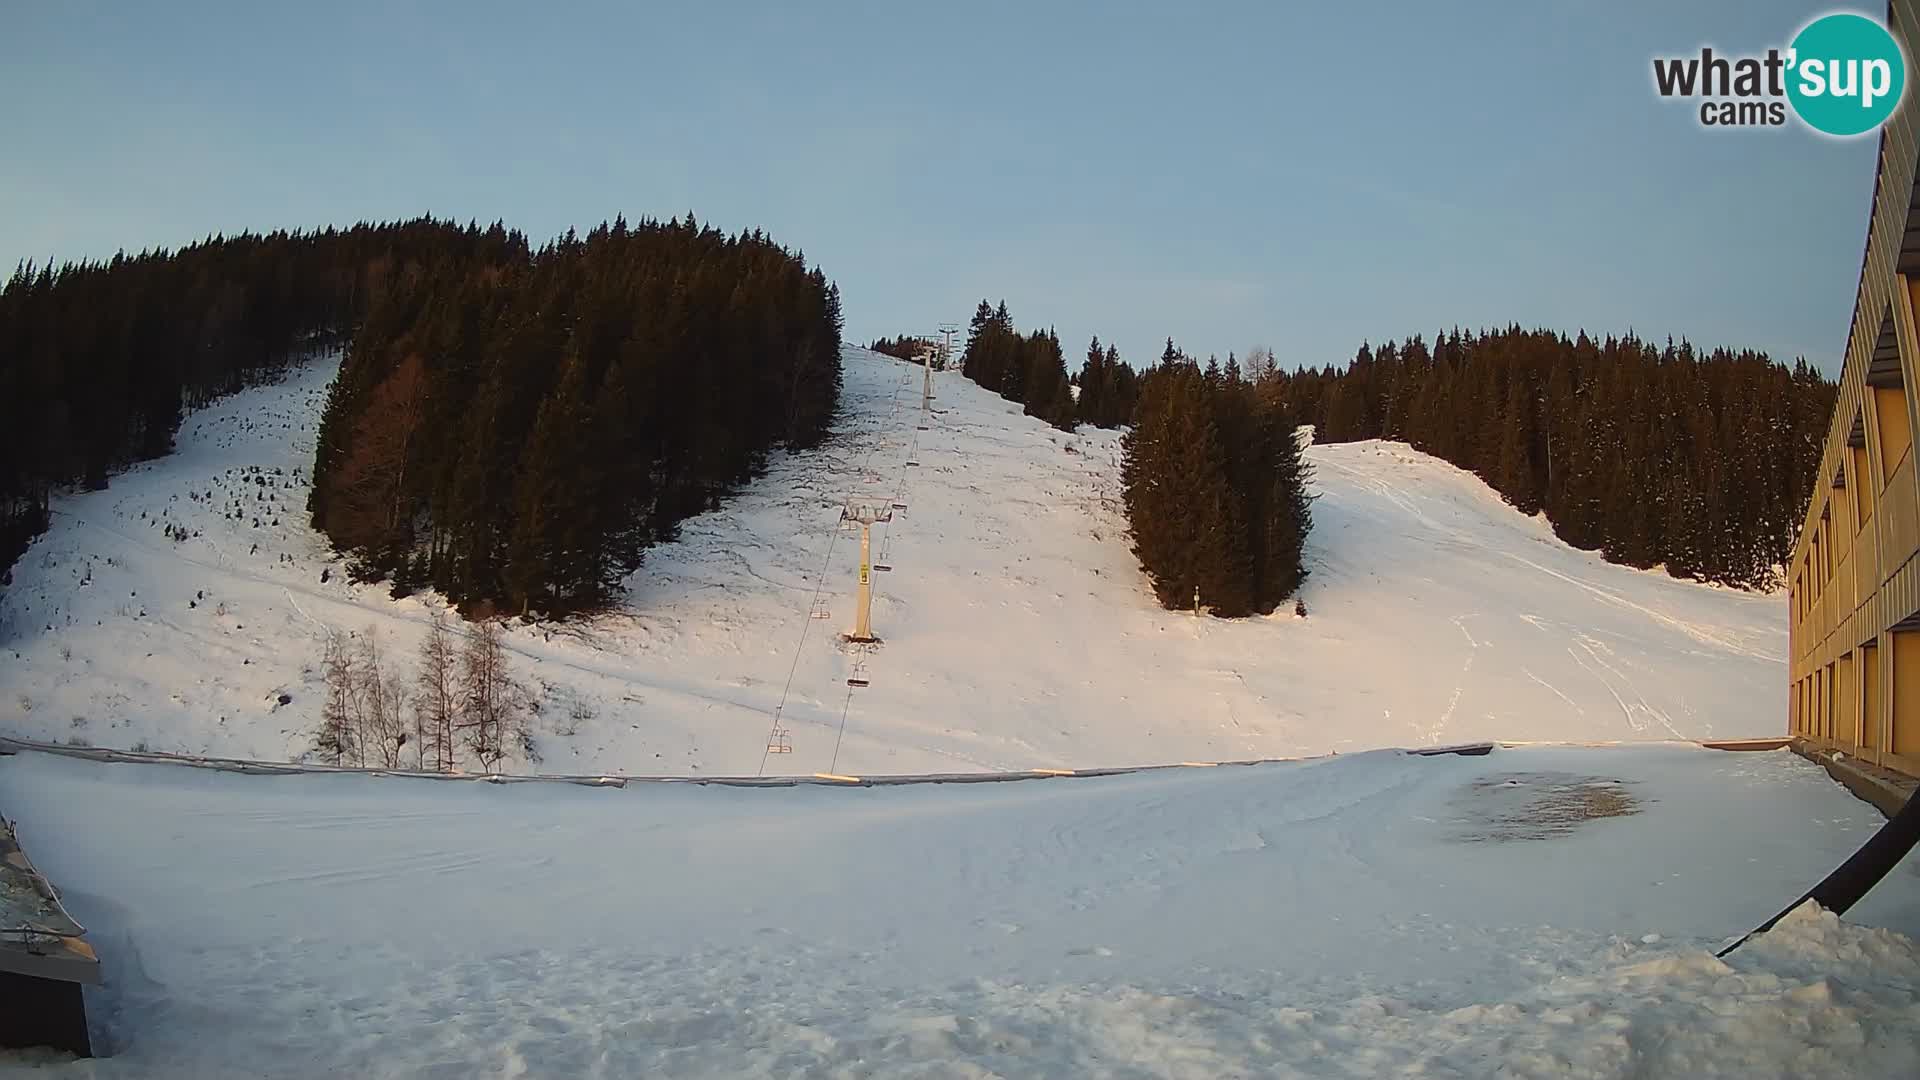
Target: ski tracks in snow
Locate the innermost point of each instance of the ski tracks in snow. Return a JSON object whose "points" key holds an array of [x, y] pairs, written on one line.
{"points": [[1636, 712], [1434, 733], [1556, 691], [1703, 633]]}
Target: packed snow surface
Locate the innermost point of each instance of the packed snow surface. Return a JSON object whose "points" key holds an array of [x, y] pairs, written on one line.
{"points": [[1018, 631], [1368, 915]]}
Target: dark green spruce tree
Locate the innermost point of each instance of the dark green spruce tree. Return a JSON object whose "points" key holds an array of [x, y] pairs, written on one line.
{"points": [[1215, 490]]}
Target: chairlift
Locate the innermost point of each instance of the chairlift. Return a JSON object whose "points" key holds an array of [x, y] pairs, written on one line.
{"points": [[899, 506], [857, 681], [822, 613], [779, 743], [913, 464], [883, 568]]}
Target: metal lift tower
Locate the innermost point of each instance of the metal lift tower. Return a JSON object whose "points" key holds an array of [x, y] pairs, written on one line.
{"points": [[868, 515]]}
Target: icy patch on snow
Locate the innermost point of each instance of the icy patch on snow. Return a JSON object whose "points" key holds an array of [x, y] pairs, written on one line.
{"points": [[1538, 805]]}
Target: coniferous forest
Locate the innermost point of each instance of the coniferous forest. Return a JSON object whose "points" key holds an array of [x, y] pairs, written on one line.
{"points": [[100, 360], [1216, 491], [1702, 461], [1031, 370], [1109, 388], [905, 347], [520, 432], [500, 429], [1025, 368], [509, 425]]}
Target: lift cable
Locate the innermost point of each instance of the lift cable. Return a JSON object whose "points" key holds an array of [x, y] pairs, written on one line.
{"points": [[886, 545], [776, 737], [844, 706]]}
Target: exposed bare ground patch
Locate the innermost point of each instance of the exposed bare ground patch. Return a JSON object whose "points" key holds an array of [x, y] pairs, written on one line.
{"points": [[1538, 805]]}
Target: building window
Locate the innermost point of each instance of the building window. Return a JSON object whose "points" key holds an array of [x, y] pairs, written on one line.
{"points": [[1888, 388]]}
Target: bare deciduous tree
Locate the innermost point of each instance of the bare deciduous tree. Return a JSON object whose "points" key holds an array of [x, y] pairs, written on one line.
{"points": [[383, 705], [491, 712], [339, 667], [364, 719], [419, 740], [436, 709], [1259, 364]]}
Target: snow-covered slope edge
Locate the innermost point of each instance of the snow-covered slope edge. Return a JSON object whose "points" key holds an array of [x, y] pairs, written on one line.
{"points": [[1017, 630]]}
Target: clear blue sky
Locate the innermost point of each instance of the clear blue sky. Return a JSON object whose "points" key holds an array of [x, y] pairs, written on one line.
{"points": [[1227, 174]]}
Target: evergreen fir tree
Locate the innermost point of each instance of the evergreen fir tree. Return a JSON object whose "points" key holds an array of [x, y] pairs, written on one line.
{"points": [[1092, 406], [1215, 492], [1177, 497]]}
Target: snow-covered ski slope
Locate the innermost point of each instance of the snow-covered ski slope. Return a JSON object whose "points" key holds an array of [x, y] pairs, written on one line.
{"points": [[1541, 911], [1017, 630], [1368, 915]]}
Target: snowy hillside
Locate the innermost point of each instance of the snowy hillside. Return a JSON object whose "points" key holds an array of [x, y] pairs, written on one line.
{"points": [[1018, 632], [1540, 912]]}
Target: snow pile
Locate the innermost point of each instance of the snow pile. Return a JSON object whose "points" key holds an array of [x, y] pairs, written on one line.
{"points": [[1018, 632], [1328, 918]]}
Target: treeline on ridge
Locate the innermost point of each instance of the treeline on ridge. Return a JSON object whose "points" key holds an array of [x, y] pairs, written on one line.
{"points": [[515, 432], [906, 347], [1025, 368], [99, 360], [1031, 370], [1701, 461]]}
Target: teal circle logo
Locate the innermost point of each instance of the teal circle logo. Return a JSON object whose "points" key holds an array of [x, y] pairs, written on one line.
{"points": [[1846, 74]]}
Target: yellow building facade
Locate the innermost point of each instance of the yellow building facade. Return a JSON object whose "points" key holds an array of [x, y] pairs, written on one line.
{"points": [[1854, 583]]}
